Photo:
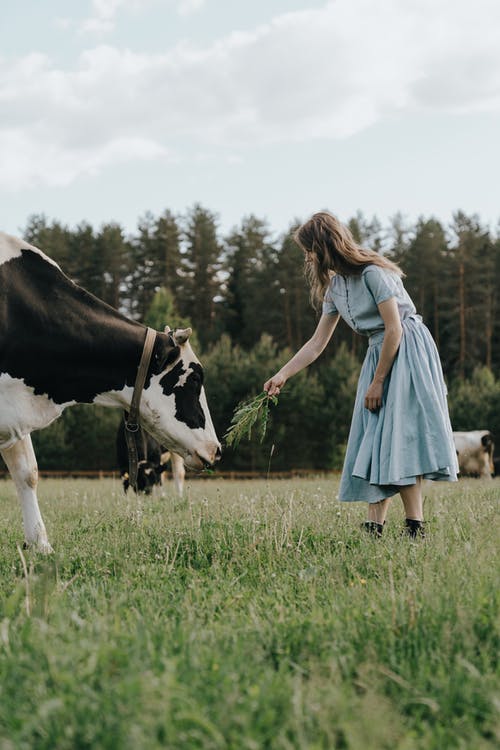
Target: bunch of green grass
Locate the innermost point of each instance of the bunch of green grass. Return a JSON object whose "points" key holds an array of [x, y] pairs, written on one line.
{"points": [[250, 414]]}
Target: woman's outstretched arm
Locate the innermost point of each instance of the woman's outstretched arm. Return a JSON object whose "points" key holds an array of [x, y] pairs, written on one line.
{"points": [[307, 354]]}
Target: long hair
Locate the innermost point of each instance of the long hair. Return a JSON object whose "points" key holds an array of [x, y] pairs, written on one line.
{"points": [[330, 249]]}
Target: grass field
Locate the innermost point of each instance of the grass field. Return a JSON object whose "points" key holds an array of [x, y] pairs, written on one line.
{"points": [[249, 615]]}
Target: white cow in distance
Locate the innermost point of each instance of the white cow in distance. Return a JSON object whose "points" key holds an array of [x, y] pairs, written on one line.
{"points": [[475, 453], [152, 466]]}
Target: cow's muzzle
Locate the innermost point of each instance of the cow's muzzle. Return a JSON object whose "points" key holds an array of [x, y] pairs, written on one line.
{"points": [[204, 460]]}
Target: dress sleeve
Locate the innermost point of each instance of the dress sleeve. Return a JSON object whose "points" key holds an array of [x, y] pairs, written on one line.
{"points": [[380, 283], [329, 307]]}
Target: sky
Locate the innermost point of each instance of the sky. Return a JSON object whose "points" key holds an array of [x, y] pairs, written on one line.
{"points": [[277, 108]]}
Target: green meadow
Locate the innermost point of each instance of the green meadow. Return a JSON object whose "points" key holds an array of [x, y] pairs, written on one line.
{"points": [[249, 615]]}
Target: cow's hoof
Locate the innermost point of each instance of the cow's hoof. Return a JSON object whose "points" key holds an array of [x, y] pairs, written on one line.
{"points": [[373, 528], [43, 547]]}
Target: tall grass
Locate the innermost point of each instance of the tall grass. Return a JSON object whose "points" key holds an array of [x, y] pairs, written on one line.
{"points": [[249, 615]]}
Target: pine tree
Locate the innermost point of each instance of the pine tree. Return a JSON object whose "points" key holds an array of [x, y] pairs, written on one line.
{"points": [[495, 304], [297, 313], [199, 284], [113, 263], [469, 293], [422, 258], [367, 233], [248, 288], [155, 260], [53, 239], [84, 259], [166, 250]]}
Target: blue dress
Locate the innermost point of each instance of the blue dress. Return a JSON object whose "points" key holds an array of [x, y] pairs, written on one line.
{"points": [[410, 435]]}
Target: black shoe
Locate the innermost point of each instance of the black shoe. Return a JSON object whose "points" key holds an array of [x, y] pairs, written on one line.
{"points": [[414, 528], [372, 527]]}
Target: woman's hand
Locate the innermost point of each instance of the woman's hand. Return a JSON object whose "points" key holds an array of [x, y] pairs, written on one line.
{"points": [[373, 397], [274, 385]]}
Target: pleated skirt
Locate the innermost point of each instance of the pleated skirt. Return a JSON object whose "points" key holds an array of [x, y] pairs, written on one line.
{"points": [[411, 435]]}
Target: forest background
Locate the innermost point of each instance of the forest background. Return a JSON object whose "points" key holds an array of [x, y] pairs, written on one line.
{"points": [[245, 296]]}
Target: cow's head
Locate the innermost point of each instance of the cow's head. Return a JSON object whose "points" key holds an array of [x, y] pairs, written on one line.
{"points": [[488, 444], [174, 407]]}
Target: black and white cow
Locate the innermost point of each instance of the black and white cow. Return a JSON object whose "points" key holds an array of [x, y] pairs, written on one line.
{"points": [[475, 452], [60, 345], [153, 462]]}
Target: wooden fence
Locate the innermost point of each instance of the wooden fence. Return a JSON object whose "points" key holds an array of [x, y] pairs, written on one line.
{"points": [[95, 474]]}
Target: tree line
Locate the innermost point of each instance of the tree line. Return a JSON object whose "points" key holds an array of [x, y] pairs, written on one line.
{"points": [[245, 296]]}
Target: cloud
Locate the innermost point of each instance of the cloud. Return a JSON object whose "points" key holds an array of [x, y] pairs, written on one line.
{"points": [[63, 24], [27, 162], [324, 73], [105, 12], [186, 7]]}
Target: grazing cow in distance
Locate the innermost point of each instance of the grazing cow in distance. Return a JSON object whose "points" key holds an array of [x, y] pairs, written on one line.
{"points": [[475, 453], [59, 346], [153, 462]]}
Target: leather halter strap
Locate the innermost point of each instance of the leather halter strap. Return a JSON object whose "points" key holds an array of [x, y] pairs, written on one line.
{"points": [[132, 418]]}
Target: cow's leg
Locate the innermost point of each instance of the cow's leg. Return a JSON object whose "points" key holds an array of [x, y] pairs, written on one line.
{"points": [[487, 470], [21, 463], [178, 472], [165, 458]]}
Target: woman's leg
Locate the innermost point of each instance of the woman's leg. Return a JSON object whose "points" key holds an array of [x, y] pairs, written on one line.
{"points": [[376, 517], [414, 509], [412, 500], [378, 511]]}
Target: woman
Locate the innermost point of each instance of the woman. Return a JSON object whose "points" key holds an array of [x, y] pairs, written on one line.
{"points": [[400, 430]]}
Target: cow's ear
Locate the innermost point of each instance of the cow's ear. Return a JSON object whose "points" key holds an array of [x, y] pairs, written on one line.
{"points": [[165, 352], [181, 335]]}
